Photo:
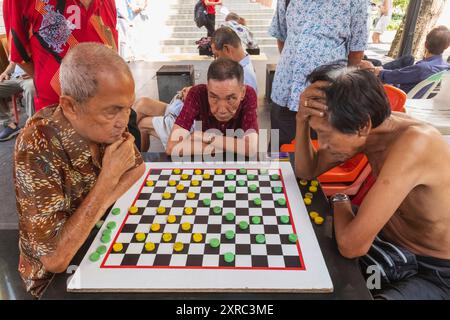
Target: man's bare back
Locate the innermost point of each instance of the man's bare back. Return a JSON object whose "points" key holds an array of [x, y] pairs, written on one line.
{"points": [[422, 222]]}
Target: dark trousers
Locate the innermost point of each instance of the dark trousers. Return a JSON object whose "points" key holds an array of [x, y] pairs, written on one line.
{"points": [[283, 120], [399, 63], [211, 24], [134, 130]]}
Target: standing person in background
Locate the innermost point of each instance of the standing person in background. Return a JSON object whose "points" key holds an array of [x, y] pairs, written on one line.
{"points": [[42, 32], [311, 34], [383, 21], [210, 6]]}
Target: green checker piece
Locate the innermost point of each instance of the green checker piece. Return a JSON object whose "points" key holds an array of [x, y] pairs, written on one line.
{"points": [[257, 201], [207, 202], [229, 234], [229, 216], [111, 225], [281, 201], [277, 189], [285, 219], [243, 225], [101, 250], [95, 256], [231, 176], [293, 238], [253, 187], [214, 243], [115, 211], [256, 220], [231, 188], [275, 177], [260, 238], [220, 195], [217, 210], [99, 224], [243, 171], [251, 177], [106, 232], [106, 239], [241, 183], [229, 257]]}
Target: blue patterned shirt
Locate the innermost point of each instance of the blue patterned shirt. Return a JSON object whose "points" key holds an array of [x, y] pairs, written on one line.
{"points": [[314, 33]]}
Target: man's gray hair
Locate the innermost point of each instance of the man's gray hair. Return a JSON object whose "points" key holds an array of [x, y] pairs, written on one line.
{"points": [[81, 66]]}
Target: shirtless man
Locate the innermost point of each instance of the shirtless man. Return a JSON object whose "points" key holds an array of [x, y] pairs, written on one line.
{"points": [[409, 204]]}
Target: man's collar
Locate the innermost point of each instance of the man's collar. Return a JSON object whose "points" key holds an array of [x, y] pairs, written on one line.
{"points": [[76, 147], [246, 61], [434, 58]]}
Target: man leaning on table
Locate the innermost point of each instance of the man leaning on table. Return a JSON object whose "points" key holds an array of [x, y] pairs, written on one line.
{"points": [[73, 161]]}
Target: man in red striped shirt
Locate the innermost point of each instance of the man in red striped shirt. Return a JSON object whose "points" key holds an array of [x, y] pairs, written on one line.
{"points": [[225, 108]]}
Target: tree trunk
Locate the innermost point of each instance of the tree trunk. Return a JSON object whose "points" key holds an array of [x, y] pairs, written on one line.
{"points": [[429, 13]]}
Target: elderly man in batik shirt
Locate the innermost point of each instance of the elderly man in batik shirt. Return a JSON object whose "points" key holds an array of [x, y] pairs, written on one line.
{"points": [[73, 161]]}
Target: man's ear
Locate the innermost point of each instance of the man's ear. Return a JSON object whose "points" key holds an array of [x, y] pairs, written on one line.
{"points": [[364, 131], [68, 105], [243, 91], [226, 50]]}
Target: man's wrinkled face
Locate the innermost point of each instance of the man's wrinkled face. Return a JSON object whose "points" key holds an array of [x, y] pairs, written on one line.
{"points": [[340, 145], [104, 117], [224, 98]]}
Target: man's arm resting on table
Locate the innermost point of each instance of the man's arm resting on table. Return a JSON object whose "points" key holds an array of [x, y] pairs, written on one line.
{"points": [[182, 140], [247, 145], [125, 183], [399, 175], [78, 227]]}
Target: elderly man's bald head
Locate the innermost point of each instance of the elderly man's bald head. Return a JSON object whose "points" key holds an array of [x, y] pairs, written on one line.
{"points": [[82, 67]]}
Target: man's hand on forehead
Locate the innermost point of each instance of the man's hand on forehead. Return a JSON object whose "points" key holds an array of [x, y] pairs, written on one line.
{"points": [[313, 101]]}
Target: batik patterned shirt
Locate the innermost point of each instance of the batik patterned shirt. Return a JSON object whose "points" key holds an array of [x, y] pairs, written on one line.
{"points": [[314, 33], [54, 171]]}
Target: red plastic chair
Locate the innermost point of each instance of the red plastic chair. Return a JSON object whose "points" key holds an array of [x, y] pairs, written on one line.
{"points": [[397, 98]]}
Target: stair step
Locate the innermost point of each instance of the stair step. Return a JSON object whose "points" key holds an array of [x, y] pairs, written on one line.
{"points": [[201, 32], [242, 12], [193, 28], [194, 49], [191, 41], [251, 16]]}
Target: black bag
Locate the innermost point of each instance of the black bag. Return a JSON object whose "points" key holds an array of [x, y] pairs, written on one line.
{"points": [[395, 263], [200, 14]]}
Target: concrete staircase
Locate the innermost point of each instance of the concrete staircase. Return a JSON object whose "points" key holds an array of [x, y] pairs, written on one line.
{"points": [[183, 32]]}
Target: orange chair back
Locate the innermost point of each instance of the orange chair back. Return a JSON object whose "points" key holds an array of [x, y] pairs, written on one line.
{"points": [[396, 97]]}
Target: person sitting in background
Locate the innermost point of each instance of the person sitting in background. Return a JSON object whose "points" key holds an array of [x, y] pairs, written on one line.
{"points": [[157, 118], [238, 24], [404, 220], [406, 78], [224, 104], [13, 81], [73, 161]]}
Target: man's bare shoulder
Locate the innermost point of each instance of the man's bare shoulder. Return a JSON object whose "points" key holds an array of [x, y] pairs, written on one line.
{"points": [[419, 147]]}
